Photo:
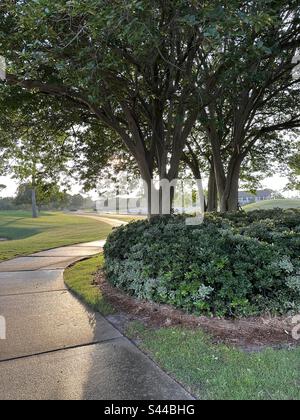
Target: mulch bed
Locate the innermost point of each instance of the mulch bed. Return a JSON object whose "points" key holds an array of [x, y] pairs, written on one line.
{"points": [[251, 334]]}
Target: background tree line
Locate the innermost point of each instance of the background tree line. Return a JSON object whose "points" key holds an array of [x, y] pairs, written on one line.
{"points": [[56, 200]]}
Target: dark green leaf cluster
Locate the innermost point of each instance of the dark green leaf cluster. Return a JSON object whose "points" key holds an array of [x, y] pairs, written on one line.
{"points": [[232, 265]]}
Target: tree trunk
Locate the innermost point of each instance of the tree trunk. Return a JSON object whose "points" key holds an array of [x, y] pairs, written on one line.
{"points": [[159, 202], [148, 185], [35, 213], [212, 201], [218, 164], [194, 166], [233, 199], [229, 199]]}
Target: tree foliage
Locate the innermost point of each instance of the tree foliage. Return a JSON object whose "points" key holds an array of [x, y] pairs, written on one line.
{"points": [[149, 72], [36, 146]]}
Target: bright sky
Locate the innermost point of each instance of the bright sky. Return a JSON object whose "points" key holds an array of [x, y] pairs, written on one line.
{"points": [[276, 183], [12, 187]]}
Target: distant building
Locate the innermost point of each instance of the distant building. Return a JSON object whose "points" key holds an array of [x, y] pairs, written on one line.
{"points": [[261, 195], [124, 204]]}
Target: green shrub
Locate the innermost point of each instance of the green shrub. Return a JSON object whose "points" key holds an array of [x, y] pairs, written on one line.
{"points": [[231, 265]]}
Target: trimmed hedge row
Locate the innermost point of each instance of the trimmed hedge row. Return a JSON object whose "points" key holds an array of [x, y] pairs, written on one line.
{"points": [[232, 265]]}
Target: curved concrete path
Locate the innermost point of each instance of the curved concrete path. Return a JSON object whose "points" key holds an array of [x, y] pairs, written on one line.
{"points": [[56, 348], [108, 220]]}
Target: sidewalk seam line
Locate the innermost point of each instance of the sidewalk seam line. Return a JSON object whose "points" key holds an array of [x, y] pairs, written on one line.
{"points": [[44, 353], [34, 293]]}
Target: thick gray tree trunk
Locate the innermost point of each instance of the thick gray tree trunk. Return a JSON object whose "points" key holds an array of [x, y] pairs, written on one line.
{"points": [[229, 198], [212, 201]]}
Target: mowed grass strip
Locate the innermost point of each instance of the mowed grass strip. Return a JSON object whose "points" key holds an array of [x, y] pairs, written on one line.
{"points": [[272, 204], [218, 372], [80, 279], [51, 230]]}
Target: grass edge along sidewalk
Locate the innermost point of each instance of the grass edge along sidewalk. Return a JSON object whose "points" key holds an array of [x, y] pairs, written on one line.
{"points": [[210, 371]]}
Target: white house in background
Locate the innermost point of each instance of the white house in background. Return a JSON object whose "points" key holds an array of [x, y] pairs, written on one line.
{"points": [[261, 195]]}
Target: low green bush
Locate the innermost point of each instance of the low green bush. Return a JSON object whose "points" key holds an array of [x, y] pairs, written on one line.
{"points": [[232, 265]]}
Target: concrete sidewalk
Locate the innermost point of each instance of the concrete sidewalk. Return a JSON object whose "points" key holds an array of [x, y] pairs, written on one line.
{"points": [[57, 348]]}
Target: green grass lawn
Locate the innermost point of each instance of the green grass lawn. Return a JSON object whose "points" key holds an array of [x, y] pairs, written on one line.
{"points": [[51, 230], [217, 372], [209, 371], [271, 204], [79, 278]]}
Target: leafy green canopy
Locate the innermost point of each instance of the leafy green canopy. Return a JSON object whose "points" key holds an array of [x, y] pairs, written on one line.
{"points": [[253, 111], [133, 65], [35, 143]]}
